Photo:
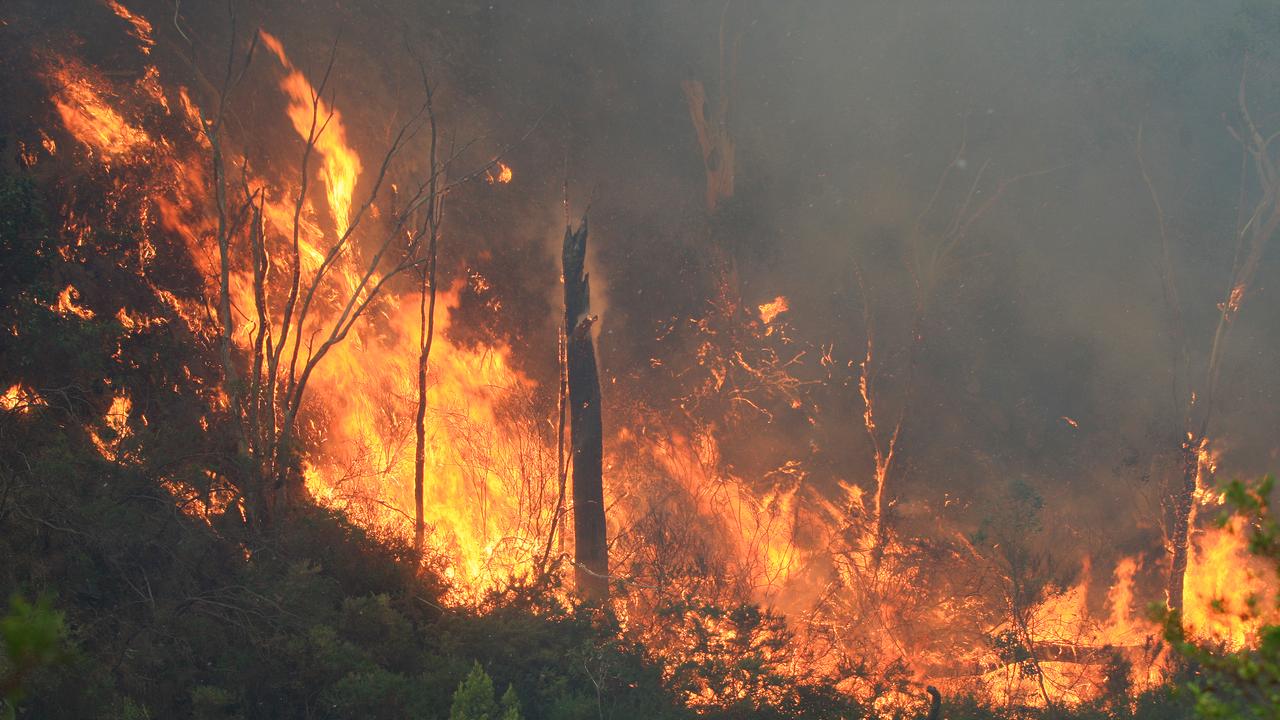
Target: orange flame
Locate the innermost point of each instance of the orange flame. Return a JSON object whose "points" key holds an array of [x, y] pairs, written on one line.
{"points": [[91, 119], [19, 398], [771, 310], [503, 175], [68, 304], [116, 422], [140, 28], [1227, 589], [314, 118]]}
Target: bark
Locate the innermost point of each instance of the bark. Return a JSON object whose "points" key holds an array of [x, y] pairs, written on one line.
{"points": [[590, 542], [1183, 507], [714, 141]]}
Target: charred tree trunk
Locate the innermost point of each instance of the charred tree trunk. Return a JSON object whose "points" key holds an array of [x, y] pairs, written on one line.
{"points": [[935, 703], [1254, 232], [1180, 540], [591, 556]]}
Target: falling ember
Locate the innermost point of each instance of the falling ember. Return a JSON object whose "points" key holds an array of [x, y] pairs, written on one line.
{"points": [[771, 310], [501, 175]]}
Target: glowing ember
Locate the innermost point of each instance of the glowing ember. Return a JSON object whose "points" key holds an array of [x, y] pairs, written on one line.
{"points": [[1233, 301]]}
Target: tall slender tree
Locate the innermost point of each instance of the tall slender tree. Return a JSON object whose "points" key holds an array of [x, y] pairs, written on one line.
{"points": [[1258, 218]]}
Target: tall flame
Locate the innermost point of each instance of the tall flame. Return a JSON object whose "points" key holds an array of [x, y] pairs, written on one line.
{"points": [[315, 119]]}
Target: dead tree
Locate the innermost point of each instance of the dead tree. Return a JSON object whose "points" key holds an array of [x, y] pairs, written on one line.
{"points": [[591, 552], [1254, 231], [712, 124], [932, 252]]}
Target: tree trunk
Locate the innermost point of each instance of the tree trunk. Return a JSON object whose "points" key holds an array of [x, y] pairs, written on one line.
{"points": [[1183, 505], [591, 554], [426, 333]]}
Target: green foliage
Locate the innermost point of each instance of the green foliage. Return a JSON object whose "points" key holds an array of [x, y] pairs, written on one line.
{"points": [[475, 700], [31, 637], [1241, 685]]}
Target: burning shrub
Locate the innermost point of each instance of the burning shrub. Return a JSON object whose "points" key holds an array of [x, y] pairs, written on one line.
{"points": [[1244, 683]]}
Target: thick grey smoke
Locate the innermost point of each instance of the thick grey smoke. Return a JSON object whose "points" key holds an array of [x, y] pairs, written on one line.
{"points": [[1046, 354]]}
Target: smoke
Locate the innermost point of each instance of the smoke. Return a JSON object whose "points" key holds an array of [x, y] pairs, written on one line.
{"points": [[863, 132], [1046, 354]]}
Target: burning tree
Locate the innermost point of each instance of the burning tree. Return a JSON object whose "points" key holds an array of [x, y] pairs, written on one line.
{"points": [[310, 287], [1195, 389]]}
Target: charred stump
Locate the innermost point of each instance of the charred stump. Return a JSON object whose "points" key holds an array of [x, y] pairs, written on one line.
{"points": [[935, 703], [591, 556]]}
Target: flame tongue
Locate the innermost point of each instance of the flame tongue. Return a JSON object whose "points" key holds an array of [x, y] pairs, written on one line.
{"points": [[316, 120]]}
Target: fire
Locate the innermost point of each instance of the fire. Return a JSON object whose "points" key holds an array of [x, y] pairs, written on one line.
{"points": [[1228, 591], [487, 467], [760, 529], [68, 304], [140, 27], [90, 118], [115, 428], [771, 310], [313, 118], [500, 175], [18, 398], [491, 459]]}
